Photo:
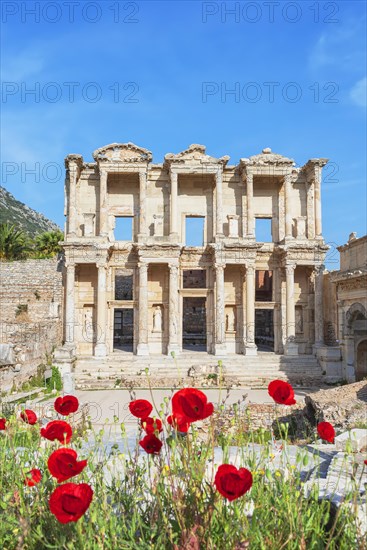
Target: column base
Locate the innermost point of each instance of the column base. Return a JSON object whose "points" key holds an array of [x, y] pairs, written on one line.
{"points": [[142, 350], [317, 346], [220, 350], [64, 359], [251, 349], [100, 350], [173, 348], [291, 348]]}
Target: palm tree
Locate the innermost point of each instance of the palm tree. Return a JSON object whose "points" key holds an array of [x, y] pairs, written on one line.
{"points": [[47, 243], [13, 242]]}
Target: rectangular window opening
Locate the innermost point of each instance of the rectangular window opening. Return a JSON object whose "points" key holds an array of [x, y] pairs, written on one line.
{"points": [[123, 228], [264, 286], [263, 230], [194, 231]]}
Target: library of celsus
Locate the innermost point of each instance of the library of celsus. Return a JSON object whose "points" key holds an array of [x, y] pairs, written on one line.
{"points": [[192, 254]]}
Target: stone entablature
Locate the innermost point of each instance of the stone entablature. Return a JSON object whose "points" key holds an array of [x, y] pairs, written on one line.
{"points": [[158, 198]]}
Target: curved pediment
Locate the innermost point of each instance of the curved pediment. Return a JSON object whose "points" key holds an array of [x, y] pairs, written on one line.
{"points": [[194, 154], [122, 152], [267, 157]]}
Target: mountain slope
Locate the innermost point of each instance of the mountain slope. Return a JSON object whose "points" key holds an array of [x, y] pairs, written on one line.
{"points": [[18, 213]]}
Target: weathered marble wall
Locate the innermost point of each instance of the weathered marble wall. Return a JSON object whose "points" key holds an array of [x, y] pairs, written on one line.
{"points": [[30, 315]]}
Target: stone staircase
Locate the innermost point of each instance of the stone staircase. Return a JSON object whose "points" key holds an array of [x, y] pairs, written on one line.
{"points": [[249, 371]]}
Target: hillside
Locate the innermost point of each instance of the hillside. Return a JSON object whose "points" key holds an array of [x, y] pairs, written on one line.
{"points": [[18, 213]]}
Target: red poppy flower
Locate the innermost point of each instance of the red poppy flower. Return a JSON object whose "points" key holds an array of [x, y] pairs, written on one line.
{"points": [[57, 429], [2, 424], [70, 501], [231, 482], [281, 392], [28, 416], [141, 408], [151, 425], [190, 405], [33, 477], [365, 461], [326, 431], [66, 405], [63, 464], [151, 444], [178, 424]]}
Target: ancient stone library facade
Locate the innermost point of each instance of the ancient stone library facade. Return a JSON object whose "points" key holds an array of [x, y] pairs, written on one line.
{"points": [[192, 254]]}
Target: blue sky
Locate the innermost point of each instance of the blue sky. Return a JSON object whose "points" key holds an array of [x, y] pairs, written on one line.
{"points": [[159, 74]]}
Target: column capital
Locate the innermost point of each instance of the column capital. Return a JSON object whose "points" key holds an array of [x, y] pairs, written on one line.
{"points": [[101, 265], [70, 265], [142, 265], [173, 268], [290, 267], [250, 266], [319, 269], [219, 265]]}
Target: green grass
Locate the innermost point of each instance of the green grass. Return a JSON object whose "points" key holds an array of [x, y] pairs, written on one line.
{"points": [[165, 501]]}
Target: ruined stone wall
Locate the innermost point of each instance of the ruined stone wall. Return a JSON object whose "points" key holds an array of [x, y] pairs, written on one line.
{"points": [[30, 315]]}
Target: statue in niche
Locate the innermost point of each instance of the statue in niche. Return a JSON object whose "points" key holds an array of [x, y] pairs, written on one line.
{"points": [[230, 321], [88, 325], [157, 319]]}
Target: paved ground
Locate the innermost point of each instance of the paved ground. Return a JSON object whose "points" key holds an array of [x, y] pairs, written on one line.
{"points": [[104, 404]]}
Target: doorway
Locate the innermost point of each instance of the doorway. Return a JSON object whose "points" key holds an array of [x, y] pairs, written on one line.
{"points": [[123, 329], [361, 366], [194, 324], [264, 329]]}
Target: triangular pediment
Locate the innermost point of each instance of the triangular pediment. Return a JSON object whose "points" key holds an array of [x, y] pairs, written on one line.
{"points": [[194, 154], [122, 152]]}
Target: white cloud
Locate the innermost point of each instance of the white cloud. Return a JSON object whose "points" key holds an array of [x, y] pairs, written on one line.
{"points": [[358, 93], [342, 47], [20, 66]]}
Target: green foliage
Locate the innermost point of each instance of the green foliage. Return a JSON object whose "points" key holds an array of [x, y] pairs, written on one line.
{"points": [[14, 243], [35, 381], [55, 382], [47, 244], [156, 504]]}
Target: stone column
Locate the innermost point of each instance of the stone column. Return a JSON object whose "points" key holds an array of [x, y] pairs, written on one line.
{"points": [[288, 206], [291, 348], [319, 317], [173, 345], [219, 203], [72, 212], [142, 204], [70, 304], [251, 348], [220, 344], [103, 218], [173, 213], [243, 309], [101, 349], [310, 210], [318, 227], [250, 204], [143, 348]]}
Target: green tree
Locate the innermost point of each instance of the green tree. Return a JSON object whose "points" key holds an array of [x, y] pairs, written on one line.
{"points": [[47, 243], [14, 243]]}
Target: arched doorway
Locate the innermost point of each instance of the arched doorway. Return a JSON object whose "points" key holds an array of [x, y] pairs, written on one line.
{"points": [[361, 362], [355, 334]]}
